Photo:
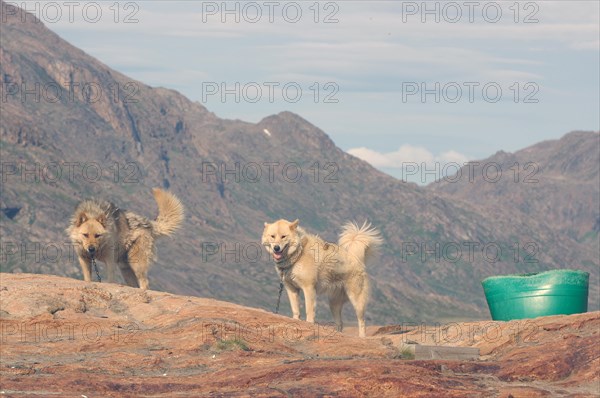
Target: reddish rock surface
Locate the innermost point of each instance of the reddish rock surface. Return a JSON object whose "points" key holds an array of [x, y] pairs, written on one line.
{"points": [[63, 337]]}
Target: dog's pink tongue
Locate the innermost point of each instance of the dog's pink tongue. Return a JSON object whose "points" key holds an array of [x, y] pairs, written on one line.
{"points": [[277, 256]]}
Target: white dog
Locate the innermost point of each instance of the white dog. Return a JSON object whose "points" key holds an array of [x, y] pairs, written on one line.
{"points": [[308, 263]]}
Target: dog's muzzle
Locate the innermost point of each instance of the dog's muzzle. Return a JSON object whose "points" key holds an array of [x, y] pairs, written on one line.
{"points": [[278, 253]]}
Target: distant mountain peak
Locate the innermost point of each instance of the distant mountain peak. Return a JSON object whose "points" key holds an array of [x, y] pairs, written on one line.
{"points": [[295, 127]]}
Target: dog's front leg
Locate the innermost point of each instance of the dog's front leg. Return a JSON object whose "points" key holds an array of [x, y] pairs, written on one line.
{"points": [[86, 268], [310, 299], [294, 296], [111, 260]]}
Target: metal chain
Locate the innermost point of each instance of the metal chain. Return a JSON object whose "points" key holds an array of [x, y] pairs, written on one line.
{"points": [[279, 296], [96, 269]]}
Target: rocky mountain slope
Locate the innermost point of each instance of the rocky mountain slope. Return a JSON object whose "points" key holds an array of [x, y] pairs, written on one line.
{"points": [[555, 181], [96, 132], [69, 338]]}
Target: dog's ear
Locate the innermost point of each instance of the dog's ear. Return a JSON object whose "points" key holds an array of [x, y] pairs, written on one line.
{"points": [[294, 224], [81, 218], [102, 219]]}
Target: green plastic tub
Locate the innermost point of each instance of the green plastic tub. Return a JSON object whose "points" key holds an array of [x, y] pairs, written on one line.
{"points": [[532, 295]]}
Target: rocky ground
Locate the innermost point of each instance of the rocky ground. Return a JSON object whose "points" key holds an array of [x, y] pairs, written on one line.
{"points": [[66, 338]]}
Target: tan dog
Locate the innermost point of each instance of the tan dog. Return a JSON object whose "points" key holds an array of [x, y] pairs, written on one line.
{"points": [[308, 263], [120, 238]]}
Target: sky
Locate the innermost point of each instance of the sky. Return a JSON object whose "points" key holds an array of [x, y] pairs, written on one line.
{"points": [[396, 83]]}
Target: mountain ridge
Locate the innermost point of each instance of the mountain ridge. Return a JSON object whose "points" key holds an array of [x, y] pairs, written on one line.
{"points": [[560, 170]]}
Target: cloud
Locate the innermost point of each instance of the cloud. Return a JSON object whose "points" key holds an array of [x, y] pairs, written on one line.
{"points": [[452, 156], [587, 45], [370, 53], [408, 154], [369, 47]]}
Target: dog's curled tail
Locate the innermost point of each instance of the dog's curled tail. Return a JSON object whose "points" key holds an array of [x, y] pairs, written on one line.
{"points": [[360, 242], [170, 213]]}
